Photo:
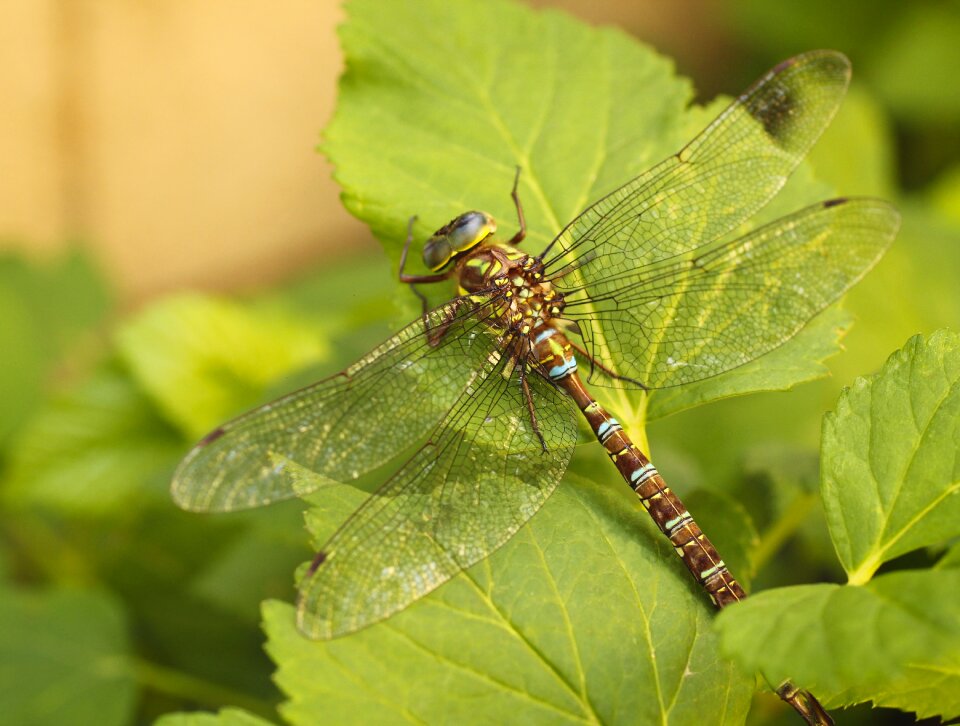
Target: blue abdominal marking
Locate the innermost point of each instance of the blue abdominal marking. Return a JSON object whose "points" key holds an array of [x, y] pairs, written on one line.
{"points": [[606, 429], [642, 474], [544, 334], [564, 369]]}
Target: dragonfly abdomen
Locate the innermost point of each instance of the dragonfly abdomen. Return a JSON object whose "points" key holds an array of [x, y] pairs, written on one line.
{"points": [[554, 353]]}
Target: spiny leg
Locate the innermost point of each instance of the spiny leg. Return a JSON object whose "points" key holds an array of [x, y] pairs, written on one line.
{"points": [[609, 372], [525, 387], [522, 232]]}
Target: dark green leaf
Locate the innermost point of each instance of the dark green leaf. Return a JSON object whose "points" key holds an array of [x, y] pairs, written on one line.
{"points": [[94, 448], [730, 527], [64, 659], [43, 310]]}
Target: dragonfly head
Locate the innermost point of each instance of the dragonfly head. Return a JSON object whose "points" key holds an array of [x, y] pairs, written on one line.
{"points": [[459, 235]]}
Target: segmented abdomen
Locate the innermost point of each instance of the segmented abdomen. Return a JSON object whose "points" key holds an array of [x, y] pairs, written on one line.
{"points": [[555, 355]]}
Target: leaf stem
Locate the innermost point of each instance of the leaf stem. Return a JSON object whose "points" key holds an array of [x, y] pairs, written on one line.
{"points": [[191, 688], [783, 529], [863, 574]]}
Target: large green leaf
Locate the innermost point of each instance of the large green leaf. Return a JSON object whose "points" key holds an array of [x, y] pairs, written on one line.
{"points": [[890, 473], [64, 659], [585, 615], [851, 644], [435, 113]]}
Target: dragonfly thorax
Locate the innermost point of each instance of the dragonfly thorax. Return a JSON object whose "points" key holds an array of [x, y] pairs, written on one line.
{"points": [[526, 300]]}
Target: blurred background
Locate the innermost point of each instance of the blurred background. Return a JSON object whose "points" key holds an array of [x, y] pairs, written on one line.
{"points": [[175, 140], [150, 147]]}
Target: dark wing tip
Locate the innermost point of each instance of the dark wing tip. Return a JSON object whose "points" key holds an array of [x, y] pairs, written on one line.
{"points": [[783, 65], [318, 560], [835, 202], [211, 437]]}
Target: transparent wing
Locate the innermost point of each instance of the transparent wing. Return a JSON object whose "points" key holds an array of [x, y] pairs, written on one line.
{"points": [[734, 167], [704, 312], [481, 477], [345, 425]]}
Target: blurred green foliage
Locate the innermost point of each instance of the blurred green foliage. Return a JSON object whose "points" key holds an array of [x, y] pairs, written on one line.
{"points": [[118, 608]]}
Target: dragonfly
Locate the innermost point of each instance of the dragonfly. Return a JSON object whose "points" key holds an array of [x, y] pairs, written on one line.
{"points": [[650, 286]]}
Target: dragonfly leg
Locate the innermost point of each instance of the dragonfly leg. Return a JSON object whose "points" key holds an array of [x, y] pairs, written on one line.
{"points": [[412, 280], [436, 333], [805, 704], [610, 373], [525, 387], [522, 232]]}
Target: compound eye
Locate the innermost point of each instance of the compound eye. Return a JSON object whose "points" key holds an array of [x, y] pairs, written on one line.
{"points": [[437, 252], [470, 229]]}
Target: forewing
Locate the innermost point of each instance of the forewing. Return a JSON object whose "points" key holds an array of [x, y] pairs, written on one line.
{"points": [[706, 312], [481, 477], [728, 172], [345, 425]]}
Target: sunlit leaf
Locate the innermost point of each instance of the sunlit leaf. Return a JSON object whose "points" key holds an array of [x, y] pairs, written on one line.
{"points": [[435, 124], [890, 474], [855, 154], [203, 359], [226, 717], [565, 622], [852, 644]]}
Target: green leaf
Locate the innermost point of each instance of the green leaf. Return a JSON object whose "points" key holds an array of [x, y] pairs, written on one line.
{"points": [[945, 194], [586, 614], [850, 644], [202, 359], [255, 565], [952, 557], [779, 485], [63, 659], [225, 717], [93, 449], [928, 688], [890, 473], [435, 112]]}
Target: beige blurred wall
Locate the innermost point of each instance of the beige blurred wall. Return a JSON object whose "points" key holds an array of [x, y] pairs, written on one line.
{"points": [[176, 138]]}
